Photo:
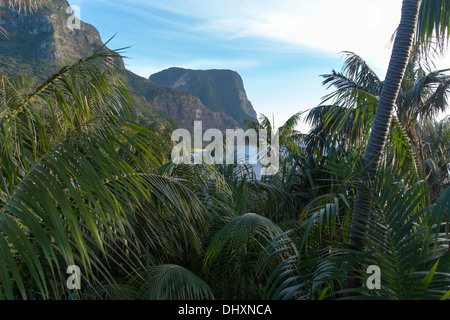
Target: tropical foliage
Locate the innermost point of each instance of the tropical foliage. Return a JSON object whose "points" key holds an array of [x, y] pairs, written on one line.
{"points": [[84, 182]]}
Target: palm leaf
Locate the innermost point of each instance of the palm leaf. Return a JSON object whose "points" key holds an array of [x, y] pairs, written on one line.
{"points": [[233, 253], [173, 282]]}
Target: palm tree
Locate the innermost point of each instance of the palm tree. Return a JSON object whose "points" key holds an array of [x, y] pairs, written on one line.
{"points": [[82, 183], [433, 29], [435, 136], [391, 87], [407, 240], [79, 184], [235, 261], [289, 137], [403, 45], [347, 122]]}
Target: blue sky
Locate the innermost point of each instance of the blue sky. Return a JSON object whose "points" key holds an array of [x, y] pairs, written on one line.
{"points": [[280, 48]]}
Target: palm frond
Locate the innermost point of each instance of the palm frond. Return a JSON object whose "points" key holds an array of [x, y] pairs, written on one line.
{"points": [[233, 253], [433, 26], [173, 282]]}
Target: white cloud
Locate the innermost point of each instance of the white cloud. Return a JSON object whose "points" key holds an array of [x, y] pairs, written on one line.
{"points": [[362, 26], [330, 26]]}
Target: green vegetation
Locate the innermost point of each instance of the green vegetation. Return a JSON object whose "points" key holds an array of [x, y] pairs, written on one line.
{"points": [[87, 180], [42, 44]]}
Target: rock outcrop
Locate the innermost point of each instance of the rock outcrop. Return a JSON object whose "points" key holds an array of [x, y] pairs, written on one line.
{"points": [[42, 42]]}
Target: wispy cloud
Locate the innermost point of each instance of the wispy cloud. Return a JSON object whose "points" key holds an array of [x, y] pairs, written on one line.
{"points": [[293, 41], [362, 26]]}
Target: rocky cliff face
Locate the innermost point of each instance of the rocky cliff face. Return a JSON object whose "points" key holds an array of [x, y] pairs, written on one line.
{"points": [[184, 108], [219, 90], [40, 43]]}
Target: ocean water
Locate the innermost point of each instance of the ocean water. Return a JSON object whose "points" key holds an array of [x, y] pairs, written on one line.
{"points": [[245, 156]]}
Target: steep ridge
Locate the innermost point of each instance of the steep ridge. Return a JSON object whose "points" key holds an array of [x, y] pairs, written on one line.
{"points": [[41, 42], [218, 90]]}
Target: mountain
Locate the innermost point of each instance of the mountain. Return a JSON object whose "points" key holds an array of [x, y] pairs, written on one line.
{"points": [[41, 43], [219, 90], [184, 108]]}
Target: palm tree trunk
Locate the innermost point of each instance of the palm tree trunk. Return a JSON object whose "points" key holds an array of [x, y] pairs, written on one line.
{"points": [[383, 116]]}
